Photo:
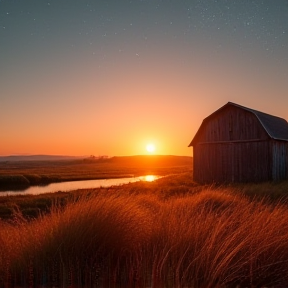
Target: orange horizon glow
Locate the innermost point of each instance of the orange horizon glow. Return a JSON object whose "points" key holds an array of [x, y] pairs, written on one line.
{"points": [[135, 146]]}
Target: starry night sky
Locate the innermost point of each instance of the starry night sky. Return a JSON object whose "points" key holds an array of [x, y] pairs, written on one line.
{"points": [[107, 77]]}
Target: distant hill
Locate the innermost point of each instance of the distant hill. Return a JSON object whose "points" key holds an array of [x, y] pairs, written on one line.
{"points": [[143, 161], [152, 160], [38, 158], [131, 161]]}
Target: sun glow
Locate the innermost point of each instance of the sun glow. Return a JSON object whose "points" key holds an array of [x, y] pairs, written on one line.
{"points": [[150, 148]]}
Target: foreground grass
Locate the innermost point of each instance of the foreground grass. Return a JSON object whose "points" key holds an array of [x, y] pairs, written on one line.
{"points": [[170, 233]]}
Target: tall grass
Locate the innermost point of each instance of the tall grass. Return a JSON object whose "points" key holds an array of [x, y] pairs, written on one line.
{"points": [[211, 238]]}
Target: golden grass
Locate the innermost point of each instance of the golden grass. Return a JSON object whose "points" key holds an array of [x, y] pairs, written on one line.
{"points": [[170, 233]]}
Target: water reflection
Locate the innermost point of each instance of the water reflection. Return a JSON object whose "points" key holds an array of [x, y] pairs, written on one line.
{"points": [[150, 178], [74, 185]]}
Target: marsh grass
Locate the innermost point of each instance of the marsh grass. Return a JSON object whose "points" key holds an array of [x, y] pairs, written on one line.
{"points": [[170, 233]]}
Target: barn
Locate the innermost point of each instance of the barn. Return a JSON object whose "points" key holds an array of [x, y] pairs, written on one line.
{"points": [[239, 144]]}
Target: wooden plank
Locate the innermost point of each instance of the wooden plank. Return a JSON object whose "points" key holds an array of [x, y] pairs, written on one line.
{"points": [[232, 123], [231, 142]]}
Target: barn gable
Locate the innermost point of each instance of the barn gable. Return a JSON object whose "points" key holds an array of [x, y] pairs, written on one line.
{"points": [[275, 127], [239, 144]]}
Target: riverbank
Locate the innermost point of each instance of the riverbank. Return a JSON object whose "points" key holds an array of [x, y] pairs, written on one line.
{"points": [[22, 174]]}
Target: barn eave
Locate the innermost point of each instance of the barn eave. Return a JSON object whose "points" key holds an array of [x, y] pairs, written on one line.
{"points": [[275, 127]]}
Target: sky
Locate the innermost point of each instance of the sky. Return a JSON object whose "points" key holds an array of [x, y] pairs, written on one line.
{"points": [[107, 77]]}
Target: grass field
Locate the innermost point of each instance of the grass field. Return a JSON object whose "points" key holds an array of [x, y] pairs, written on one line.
{"points": [[168, 233], [15, 174]]}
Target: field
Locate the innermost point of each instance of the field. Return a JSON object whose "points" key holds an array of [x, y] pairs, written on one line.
{"points": [[21, 174], [168, 233]]}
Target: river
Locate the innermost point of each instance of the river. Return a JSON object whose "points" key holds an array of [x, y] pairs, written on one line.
{"points": [[74, 185]]}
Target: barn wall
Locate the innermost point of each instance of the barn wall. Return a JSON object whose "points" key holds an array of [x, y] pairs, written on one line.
{"points": [[231, 123], [232, 162], [279, 165]]}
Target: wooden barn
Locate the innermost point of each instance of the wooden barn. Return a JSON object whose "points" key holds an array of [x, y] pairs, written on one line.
{"points": [[239, 144]]}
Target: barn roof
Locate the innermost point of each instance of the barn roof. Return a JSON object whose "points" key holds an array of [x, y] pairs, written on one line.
{"points": [[276, 127]]}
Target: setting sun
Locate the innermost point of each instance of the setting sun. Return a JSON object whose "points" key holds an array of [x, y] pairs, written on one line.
{"points": [[150, 148]]}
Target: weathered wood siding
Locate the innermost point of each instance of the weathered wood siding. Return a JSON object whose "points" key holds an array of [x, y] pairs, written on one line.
{"points": [[279, 155], [231, 123], [232, 162]]}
